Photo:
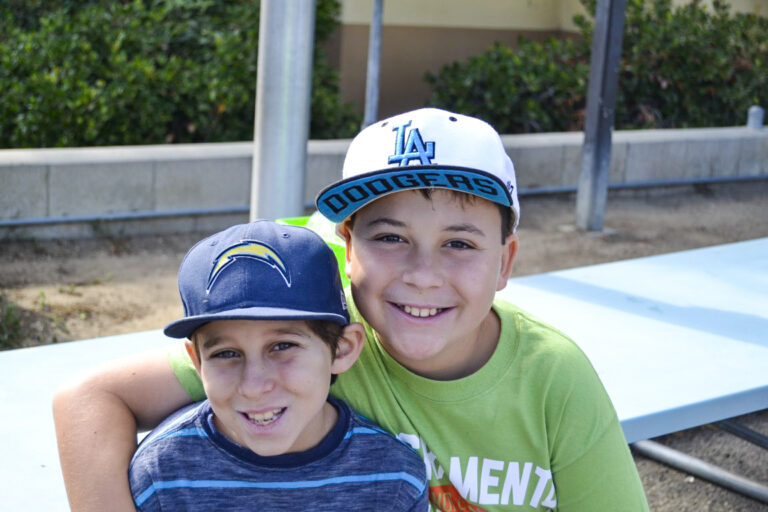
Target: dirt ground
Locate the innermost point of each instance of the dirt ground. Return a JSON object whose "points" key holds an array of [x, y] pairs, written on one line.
{"points": [[67, 290]]}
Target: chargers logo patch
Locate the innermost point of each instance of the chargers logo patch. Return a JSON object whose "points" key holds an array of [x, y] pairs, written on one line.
{"points": [[248, 249]]}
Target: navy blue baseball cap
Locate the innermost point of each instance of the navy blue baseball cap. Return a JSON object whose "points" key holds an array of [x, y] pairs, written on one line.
{"points": [[259, 271]]}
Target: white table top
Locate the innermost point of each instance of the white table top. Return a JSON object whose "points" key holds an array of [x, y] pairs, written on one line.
{"points": [[679, 340], [30, 475]]}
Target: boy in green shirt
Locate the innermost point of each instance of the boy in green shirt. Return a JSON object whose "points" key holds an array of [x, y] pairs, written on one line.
{"points": [[507, 413]]}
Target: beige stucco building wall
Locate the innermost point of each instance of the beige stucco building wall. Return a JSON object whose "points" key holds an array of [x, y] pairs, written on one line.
{"points": [[420, 36]]}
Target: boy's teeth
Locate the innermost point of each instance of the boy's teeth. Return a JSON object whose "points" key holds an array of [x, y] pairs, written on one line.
{"points": [[420, 312], [265, 417]]}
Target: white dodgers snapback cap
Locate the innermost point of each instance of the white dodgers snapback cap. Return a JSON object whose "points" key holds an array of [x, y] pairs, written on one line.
{"points": [[426, 148]]}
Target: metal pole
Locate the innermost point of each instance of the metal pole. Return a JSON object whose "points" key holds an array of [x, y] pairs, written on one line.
{"points": [[701, 469], [374, 64], [601, 101], [743, 432], [283, 88]]}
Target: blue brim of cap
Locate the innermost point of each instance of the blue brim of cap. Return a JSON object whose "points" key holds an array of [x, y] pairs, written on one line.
{"points": [[341, 199], [186, 326]]}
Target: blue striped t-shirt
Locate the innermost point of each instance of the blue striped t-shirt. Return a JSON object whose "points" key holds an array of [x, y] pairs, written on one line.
{"points": [[187, 464]]}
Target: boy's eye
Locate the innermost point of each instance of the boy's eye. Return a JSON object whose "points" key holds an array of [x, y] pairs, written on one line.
{"points": [[389, 237], [282, 346], [459, 244], [224, 354]]}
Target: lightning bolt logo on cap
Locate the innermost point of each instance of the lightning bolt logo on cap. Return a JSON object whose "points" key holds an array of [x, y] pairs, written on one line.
{"points": [[261, 270], [248, 249]]}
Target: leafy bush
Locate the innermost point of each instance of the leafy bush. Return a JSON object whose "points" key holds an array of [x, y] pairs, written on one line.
{"points": [[690, 67], [538, 87], [143, 71], [685, 66]]}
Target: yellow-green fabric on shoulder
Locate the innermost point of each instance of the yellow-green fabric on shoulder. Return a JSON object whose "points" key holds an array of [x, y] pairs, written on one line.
{"points": [[185, 371]]}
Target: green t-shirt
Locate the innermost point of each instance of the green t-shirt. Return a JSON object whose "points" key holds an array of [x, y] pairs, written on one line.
{"points": [[533, 429]]}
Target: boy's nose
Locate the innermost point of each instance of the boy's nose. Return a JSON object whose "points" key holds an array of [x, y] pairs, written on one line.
{"points": [[423, 270], [257, 379]]}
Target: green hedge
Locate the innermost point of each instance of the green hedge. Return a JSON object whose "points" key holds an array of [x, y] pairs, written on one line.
{"points": [[685, 66], [537, 87], [691, 66], [86, 73]]}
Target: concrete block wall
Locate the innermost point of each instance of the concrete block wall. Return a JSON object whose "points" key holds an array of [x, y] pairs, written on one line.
{"points": [[553, 160], [81, 192], [40, 185]]}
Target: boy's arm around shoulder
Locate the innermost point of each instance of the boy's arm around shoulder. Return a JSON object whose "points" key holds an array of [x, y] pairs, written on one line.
{"points": [[97, 417]]}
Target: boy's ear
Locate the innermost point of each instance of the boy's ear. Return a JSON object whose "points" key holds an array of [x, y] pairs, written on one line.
{"points": [[349, 347], [190, 346], [508, 253]]}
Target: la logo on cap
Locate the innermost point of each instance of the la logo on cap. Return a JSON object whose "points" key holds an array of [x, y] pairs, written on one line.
{"points": [[412, 149]]}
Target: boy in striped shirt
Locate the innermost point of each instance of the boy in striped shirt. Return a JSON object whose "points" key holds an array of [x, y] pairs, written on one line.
{"points": [[268, 329]]}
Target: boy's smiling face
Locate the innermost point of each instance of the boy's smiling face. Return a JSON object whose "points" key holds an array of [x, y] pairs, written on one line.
{"points": [[424, 273], [268, 381]]}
